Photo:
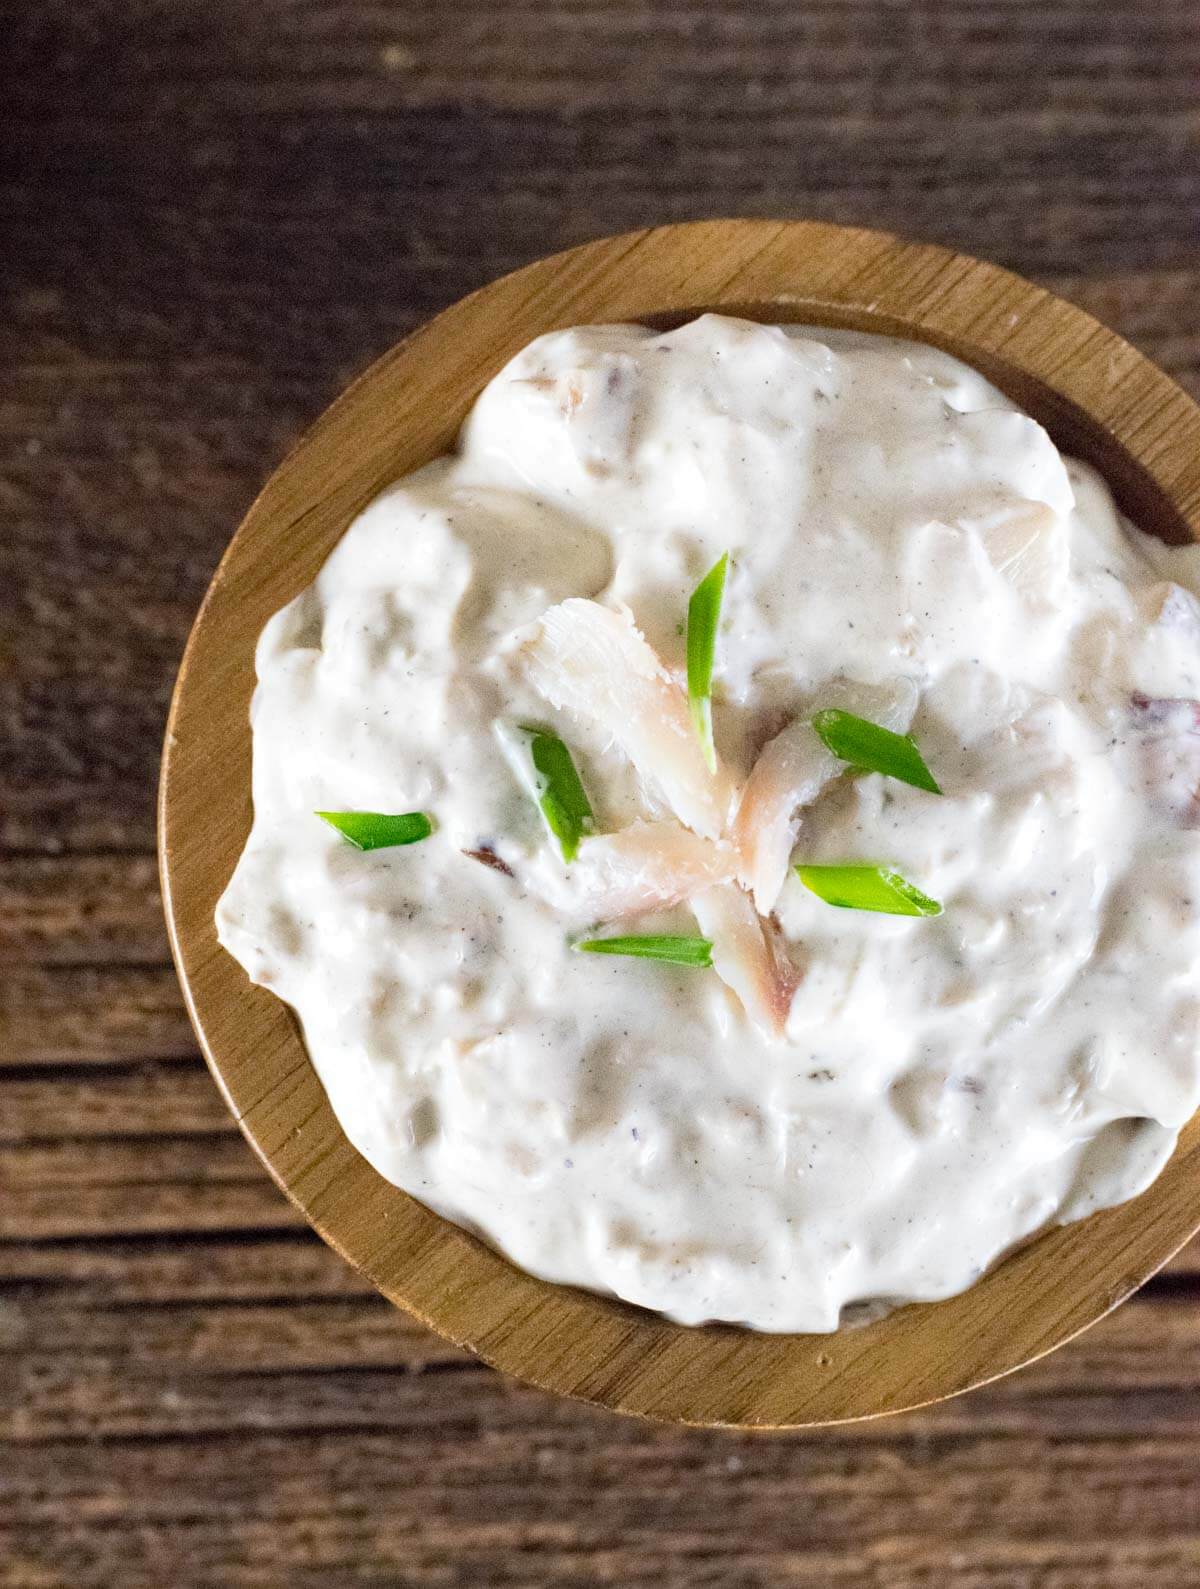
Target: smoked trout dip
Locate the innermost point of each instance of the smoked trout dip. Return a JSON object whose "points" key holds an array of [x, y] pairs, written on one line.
{"points": [[848, 1110]]}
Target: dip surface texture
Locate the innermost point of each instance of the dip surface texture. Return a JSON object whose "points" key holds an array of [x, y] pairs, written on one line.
{"points": [[941, 1087]]}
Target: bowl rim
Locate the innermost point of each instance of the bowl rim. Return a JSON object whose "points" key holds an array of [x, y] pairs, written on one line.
{"points": [[1084, 381]]}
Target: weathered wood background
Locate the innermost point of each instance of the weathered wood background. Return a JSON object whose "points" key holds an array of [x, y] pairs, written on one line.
{"points": [[212, 215]]}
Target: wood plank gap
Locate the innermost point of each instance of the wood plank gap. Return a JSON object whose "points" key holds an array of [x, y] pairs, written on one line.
{"points": [[59, 1070], [227, 1235]]}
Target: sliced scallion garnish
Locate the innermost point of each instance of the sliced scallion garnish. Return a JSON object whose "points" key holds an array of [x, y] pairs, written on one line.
{"points": [[875, 888], [377, 830], [703, 618], [678, 951], [864, 744], [544, 766]]}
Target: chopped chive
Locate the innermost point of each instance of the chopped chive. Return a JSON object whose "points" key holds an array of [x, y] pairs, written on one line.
{"points": [[703, 617], [864, 744], [544, 766], [376, 830], [678, 951], [875, 888]]}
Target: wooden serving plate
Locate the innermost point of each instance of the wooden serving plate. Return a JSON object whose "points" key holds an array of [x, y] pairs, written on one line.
{"points": [[1098, 397]]}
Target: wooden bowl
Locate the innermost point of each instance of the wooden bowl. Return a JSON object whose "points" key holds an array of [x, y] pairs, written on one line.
{"points": [[1098, 398]]}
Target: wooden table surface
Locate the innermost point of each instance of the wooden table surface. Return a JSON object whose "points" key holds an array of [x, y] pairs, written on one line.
{"points": [[211, 216]]}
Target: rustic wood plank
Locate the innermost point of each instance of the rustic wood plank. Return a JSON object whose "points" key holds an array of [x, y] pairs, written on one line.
{"points": [[872, 110], [133, 1392], [121, 1272], [463, 1481], [91, 1015], [81, 721], [116, 1362], [157, 1205], [148, 1098], [649, 57], [91, 909], [80, 1368], [163, 1184]]}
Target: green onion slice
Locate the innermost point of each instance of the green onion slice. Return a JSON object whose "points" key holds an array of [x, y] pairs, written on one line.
{"points": [[376, 830], [703, 617], [875, 888], [864, 744], [544, 766], [678, 951]]}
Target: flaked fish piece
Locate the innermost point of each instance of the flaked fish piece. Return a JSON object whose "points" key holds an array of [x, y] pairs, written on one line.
{"points": [[647, 866], [790, 773], [748, 955], [595, 662], [1027, 543]]}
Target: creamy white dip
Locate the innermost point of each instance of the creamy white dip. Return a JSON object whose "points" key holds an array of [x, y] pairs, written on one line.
{"points": [[942, 1087]]}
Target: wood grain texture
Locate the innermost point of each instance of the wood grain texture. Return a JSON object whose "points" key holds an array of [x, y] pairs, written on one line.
{"points": [[213, 217], [87, 1013]]}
